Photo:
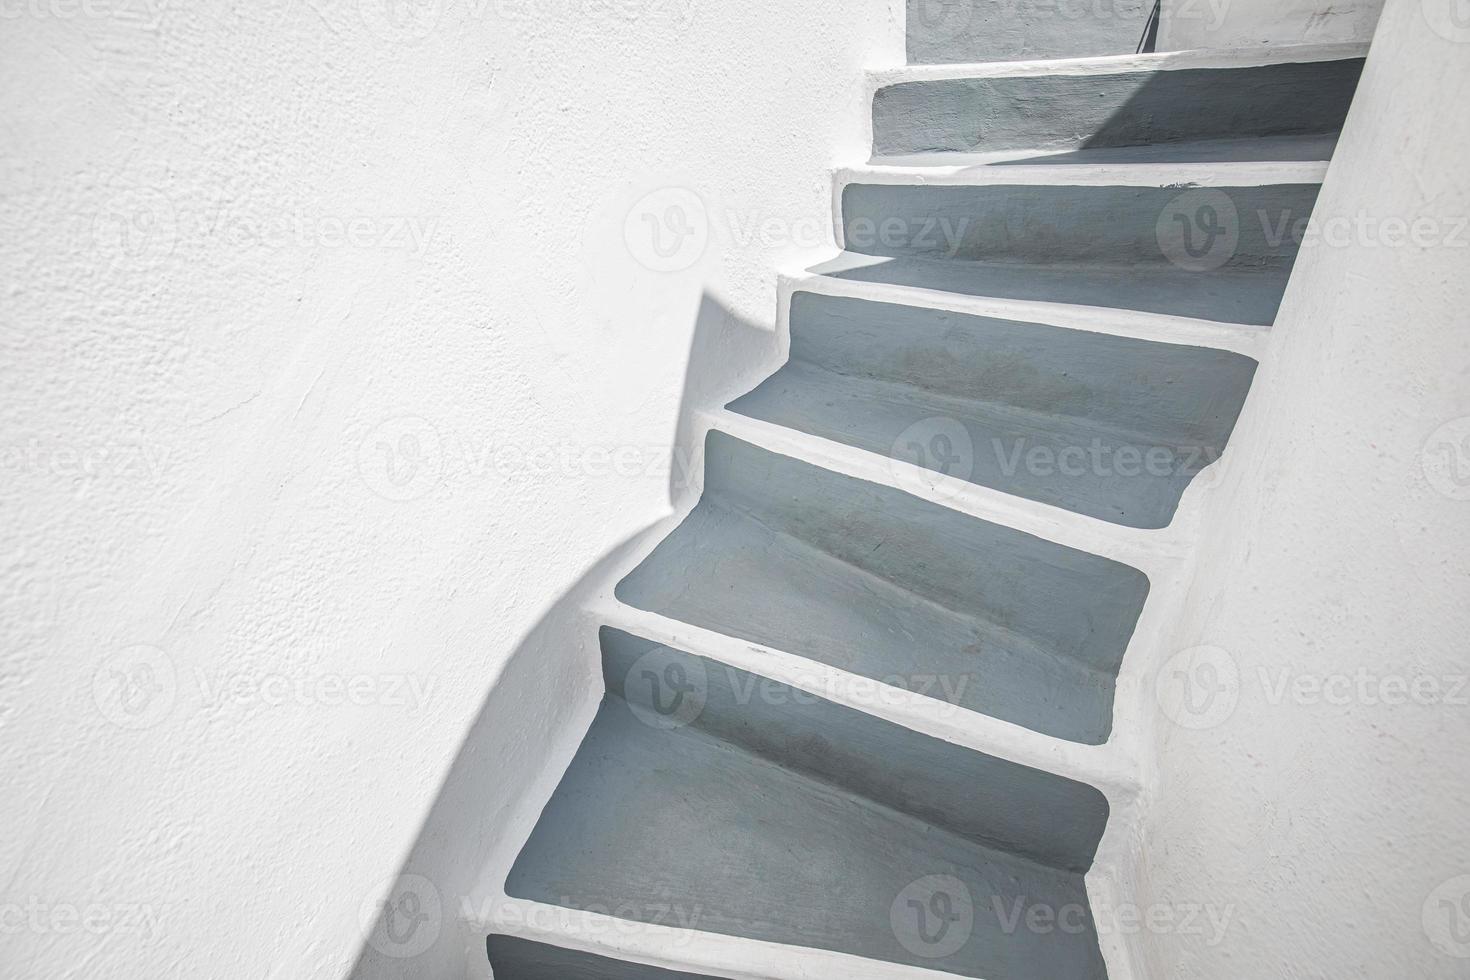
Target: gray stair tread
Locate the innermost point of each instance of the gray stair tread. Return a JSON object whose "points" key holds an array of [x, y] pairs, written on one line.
{"points": [[1048, 818], [1248, 296], [880, 584], [513, 958], [1070, 224], [1265, 149], [873, 415], [681, 828], [745, 580], [1129, 107], [1110, 427]]}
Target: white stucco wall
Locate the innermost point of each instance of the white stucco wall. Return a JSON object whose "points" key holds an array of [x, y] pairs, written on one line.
{"points": [[1312, 754], [1189, 24], [336, 350]]}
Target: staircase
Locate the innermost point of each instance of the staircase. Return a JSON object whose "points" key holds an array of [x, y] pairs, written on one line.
{"points": [[875, 706]]}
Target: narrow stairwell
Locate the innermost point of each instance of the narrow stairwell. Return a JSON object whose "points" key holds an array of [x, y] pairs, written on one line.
{"points": [[873, 706]]}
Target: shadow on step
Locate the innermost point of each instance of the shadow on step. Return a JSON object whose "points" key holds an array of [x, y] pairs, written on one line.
{"points": [[1120, 108]]}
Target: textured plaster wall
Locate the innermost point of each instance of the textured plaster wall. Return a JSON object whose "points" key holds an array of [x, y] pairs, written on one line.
{"points": [[1315, 723], [1188, 24], [336, 347]]}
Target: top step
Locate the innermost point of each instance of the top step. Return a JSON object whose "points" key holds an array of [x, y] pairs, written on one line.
{"points": [[1092, 103], [1011, 30]]}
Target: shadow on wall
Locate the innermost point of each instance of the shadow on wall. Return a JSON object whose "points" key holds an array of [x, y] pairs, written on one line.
{"points": [[551, 680]]}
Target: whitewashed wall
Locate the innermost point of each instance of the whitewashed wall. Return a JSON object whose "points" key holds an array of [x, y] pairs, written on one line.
{"points": [[336, 349], [1315, 722], [1188, 24]]}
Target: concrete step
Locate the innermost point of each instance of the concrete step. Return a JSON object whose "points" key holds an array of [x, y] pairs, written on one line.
{"points": [[1004, 30], [1113, 102], [887, 586], [1079, 217], [1230, 295], [739, 806], [1109, 427], [1241, 338]]}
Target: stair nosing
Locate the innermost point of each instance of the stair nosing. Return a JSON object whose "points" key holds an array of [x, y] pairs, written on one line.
{"points": [[1103, 767], [680, 949], [1239, 338], [1149, 550], [1181, 175]]}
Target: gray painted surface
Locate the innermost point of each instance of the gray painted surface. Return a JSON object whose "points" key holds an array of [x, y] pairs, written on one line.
{"points": [[520, 959], [753, 819], [1052, 820], [1065, 223], [1231, 294], [882, 584], [940, 31], [1123, 109], [1105, 426]]}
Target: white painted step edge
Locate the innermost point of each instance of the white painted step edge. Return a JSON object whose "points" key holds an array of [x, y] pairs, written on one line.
{"points": [[1281, 54], [1180, 175], [1159, 327], [672, 948], [1104, 767], [1150, 551]]}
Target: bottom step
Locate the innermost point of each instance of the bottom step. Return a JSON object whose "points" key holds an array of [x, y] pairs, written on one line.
{"points": [[521, 959], [708, 799]]}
